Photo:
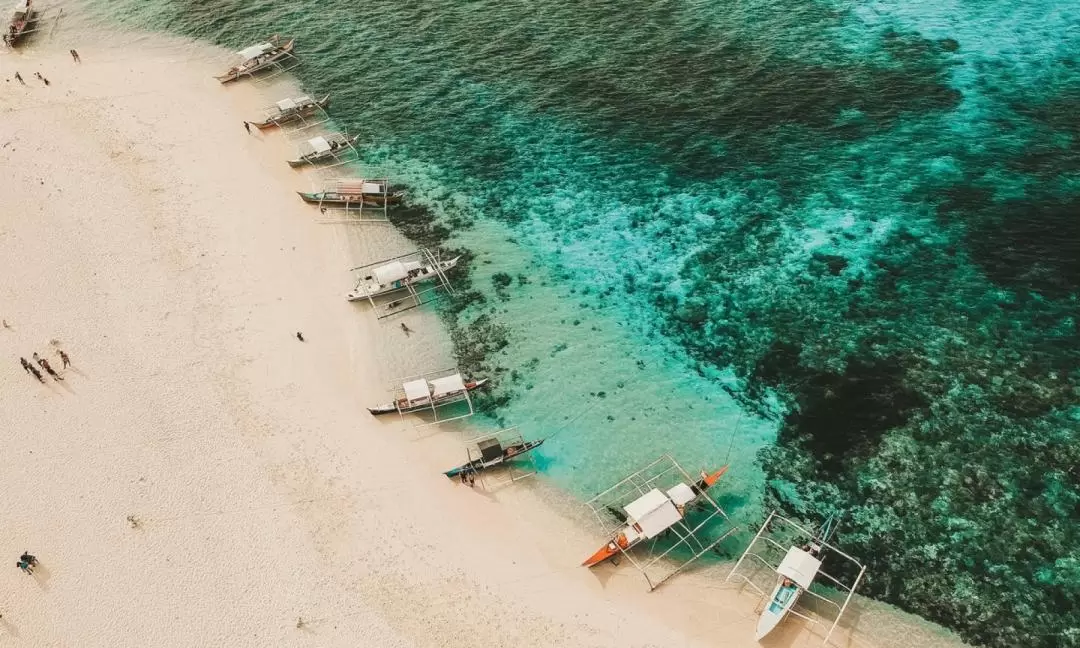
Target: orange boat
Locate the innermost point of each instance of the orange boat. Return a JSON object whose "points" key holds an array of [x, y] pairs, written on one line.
{"points": [[632, 532]]}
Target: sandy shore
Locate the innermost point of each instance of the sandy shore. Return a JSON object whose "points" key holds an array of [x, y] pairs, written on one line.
{"points": [[201, 477]]}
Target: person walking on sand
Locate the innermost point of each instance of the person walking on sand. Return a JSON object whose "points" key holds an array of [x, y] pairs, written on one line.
{"points": [[75, 56], [247, 127], [299, 336], [406, 329], [18, 77], [45, 365], [64, 358], [25, 364], [29, 559], [37, 374]]}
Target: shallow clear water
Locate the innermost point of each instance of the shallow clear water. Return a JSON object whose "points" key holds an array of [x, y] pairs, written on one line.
{"points": [[851, 228]]}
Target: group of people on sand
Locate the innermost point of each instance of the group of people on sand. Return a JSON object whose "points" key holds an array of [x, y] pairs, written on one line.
{"points": [[44, 364], [18, 77]]}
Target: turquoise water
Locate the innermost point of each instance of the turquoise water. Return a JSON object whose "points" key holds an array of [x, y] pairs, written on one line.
{"points": [[837, 243]]}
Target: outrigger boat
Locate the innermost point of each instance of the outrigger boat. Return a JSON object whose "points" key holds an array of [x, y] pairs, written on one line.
{"points": [[422, 394], [655, 503], [494, 454], [290, 110], [356, 193], [322, 148], [22, 23], [795, 575], [257, 58], [396, 275]]}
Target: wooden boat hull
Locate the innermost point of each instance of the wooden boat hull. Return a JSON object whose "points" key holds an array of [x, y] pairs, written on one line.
{"points": [[509, 452], [609, 550], [323, 103], [22, 28], [366, 200], [390, 408], [319, 158], [236, 75], [782, 600]]}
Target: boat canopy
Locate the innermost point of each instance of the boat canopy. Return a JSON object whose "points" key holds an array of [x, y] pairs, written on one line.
{"points": [[446, 386], [22, 7], [319, 144], [390, 272], [653, 512], [416, 390], [249, 53], [681, 494], [800, 567], [285, 104], [361, 187]]}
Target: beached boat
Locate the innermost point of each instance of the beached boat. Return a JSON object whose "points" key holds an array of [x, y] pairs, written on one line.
{"points": [[289, 110], [494, 454], [258, 58], [397, 275], [422, 394], [356, 193], [23, 19], [323, 148], [653, 504], [796, 573]]}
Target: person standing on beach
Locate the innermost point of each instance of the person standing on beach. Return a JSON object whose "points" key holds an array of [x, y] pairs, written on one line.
{"points": [[25, 364], [299, 336], [45, 365], [75, 56], [406, 329], [64, 358], [37, 374], [18, 77], [29, 559], [247, 127]]}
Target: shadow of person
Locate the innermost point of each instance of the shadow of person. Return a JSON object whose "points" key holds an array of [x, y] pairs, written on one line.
{"points": [[42, 575], [7, 627]]}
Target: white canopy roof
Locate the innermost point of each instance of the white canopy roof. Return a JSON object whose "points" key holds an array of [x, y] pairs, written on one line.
{"points": [[800, 567], [255, 50], [416, 389], [23, 6], [681, 494], [319, 144], [286, 104], [645, 504], [390, 272], [448, 385], [361, 186]]}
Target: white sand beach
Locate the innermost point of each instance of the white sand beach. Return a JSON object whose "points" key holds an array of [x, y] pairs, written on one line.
{"points": [[201, 477]]}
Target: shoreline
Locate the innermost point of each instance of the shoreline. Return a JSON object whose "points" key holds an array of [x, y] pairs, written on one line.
{"points": [[193, 410]]}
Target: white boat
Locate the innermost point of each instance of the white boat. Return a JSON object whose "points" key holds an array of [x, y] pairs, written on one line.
{"points": [[423, 394], [257, 58], [323, 148], [398, 275], [795, 575]]}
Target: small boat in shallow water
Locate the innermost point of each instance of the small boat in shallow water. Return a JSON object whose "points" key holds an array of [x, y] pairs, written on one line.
{"points": [[500, 454], [23, 20], [421, 394], [258, 58], [397, 275], [681, 496], [356, 193], [323, 148], [290, 110]]}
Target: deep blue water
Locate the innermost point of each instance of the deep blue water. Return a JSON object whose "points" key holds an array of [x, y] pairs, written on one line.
{"points": [[837, 243]]}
